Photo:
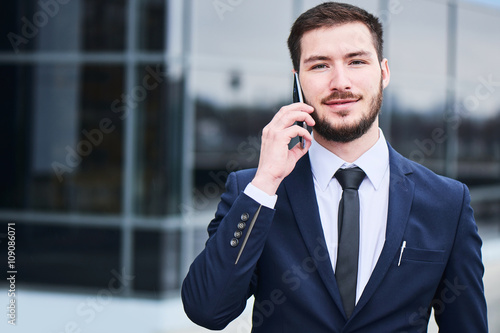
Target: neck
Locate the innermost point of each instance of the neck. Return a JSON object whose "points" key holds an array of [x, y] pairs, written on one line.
{"points": [[351, 151]]}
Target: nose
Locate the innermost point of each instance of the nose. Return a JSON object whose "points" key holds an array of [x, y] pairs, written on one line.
{"points": [[339, 79]]}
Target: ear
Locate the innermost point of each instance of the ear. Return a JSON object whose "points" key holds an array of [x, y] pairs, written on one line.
{"points": [[386, 72]]}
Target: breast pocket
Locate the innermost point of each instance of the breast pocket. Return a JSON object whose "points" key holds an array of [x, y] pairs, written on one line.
{"points": [[423, 255]]}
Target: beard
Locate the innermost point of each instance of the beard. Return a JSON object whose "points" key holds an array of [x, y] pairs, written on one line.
{"points": [[344, 133]]}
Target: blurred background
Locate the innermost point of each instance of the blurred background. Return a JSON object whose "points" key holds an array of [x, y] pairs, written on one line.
{"points": [[121, 120]]}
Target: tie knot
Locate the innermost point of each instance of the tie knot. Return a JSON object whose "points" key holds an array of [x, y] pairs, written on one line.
{"points": [[350, 178]]}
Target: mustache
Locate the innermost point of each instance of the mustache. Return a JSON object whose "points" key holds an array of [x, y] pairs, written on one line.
{"points": [[339, 95]]}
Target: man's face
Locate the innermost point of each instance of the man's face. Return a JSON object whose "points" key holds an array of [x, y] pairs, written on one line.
{"points": [[343, 80]]}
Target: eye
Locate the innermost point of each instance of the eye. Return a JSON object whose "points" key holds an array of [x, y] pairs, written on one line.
{"points": [[319, 66], [358, 62]]}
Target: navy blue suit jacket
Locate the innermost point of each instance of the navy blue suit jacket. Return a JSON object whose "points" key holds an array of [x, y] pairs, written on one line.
{"points": [[285, 264]]}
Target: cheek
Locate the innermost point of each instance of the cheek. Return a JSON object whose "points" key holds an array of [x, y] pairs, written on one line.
{"points": [[312, 92]]}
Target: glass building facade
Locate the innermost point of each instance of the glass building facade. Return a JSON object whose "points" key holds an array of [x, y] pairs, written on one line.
{"points": [[121, 120]]}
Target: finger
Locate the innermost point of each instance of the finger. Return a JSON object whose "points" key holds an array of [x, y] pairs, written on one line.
{"points": [[288, 118], [292, 132], [300, 107], [297, 151]]}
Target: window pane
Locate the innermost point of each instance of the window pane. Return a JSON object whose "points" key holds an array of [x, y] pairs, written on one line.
{"points": [[15, 126], [157, 257], [417, 127], [417, 91], [91, 25], [104, 25], [241, 30], [478, 101], [232, 108], [66, 138], [42, 25], [152, 25], [159, 154], [66, 256]]}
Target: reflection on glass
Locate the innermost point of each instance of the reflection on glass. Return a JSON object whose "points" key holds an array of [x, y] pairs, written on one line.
{"points": [[241, 29], [72, 138], [62, 256], [159, 159], [417, 129], [232, 108], [157, 261], [478, 101], [104, 25], [152, 25], [41, 25]]}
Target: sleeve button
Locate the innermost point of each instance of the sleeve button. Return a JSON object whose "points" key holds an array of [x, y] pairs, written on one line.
{"points": [[238, 234], [242, 225], [245, 217], [234, 242]]}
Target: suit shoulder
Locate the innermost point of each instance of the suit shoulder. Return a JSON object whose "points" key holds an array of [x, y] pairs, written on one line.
{"points": [[428, 179], [432, 177]]}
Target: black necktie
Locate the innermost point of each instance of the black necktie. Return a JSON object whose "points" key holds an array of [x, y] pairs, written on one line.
{"points": [[346, 270]]}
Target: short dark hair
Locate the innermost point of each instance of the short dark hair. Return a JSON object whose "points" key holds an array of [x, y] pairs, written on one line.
{"points": [[330, 14]]}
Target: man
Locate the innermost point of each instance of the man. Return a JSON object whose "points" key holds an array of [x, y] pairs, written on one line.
{"points": [[319, 254]]}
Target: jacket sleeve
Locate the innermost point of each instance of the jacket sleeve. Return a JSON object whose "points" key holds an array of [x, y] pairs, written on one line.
{"points": [[223, 276], [459, 303]]}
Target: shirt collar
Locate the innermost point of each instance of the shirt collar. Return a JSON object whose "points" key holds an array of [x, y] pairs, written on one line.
{"points": [[374, 162]]}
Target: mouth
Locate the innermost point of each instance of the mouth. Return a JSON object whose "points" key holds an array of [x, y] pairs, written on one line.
{"points": [[341, 103]]}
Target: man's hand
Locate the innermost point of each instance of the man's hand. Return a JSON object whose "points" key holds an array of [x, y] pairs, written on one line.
{"points": [[276, 160]]}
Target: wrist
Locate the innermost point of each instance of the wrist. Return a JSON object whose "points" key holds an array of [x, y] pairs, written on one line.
{"points": [[266, 184]]}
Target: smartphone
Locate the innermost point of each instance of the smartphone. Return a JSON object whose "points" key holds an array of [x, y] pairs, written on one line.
{"points": [[298, 97]]}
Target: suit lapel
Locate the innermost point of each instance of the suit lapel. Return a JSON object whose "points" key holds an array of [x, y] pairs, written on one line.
{"points": [[299, 187], [400, 199]]}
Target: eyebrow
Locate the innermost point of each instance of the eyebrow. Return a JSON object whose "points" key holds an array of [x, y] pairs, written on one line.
{"points": [[358, 54], [350, 55], [316, 58]]}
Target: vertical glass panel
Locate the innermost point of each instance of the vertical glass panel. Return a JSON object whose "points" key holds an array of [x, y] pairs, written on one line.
{"points": [[232, 107], [10, 25], [417, 127], [418, 48], [478, 100], [17, 102], [43, 25], [417, 91], [159, 153], [241, 29], [157, 261], [152, 25], [66, 140], [104, 25], [98, 181]]}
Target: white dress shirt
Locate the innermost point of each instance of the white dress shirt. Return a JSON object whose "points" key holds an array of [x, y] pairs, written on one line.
{"points": [[373, 200]]}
